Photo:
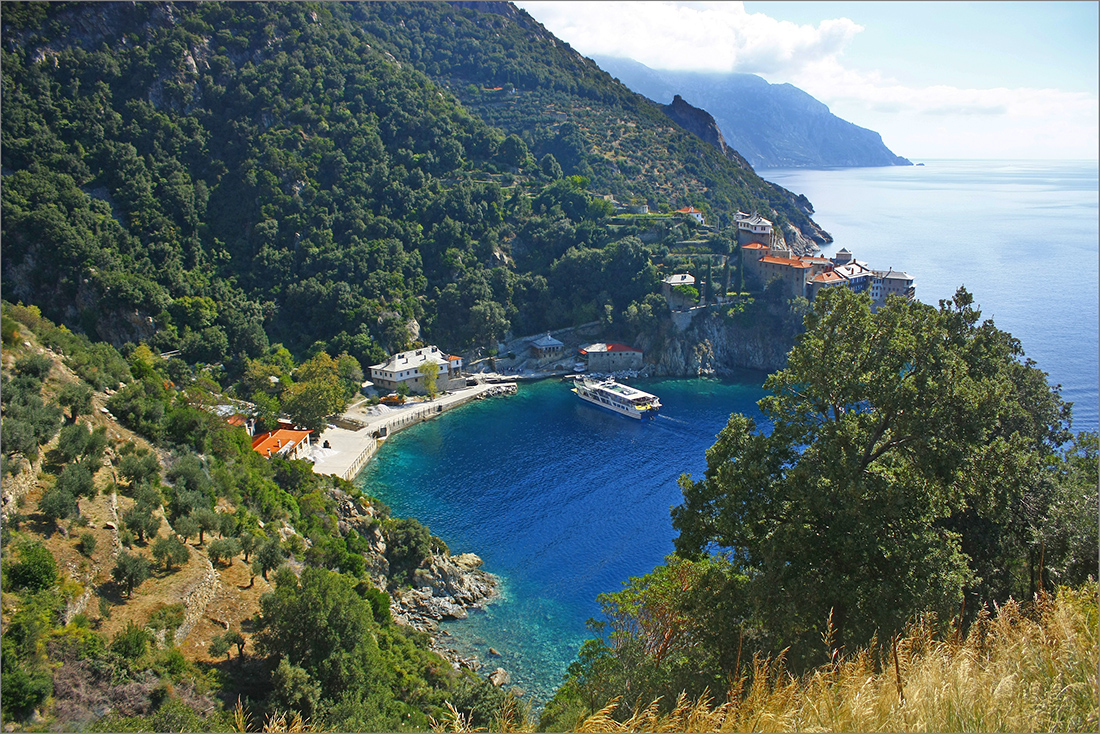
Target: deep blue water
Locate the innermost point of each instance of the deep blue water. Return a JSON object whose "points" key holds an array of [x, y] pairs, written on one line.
{"points": [[564, 500], [1022, 236]]}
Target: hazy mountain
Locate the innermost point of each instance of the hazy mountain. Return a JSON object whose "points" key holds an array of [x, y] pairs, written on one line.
{"points": [[771, 125]]}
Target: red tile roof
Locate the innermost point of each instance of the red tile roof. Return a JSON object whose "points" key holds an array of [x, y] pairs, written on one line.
{"points": [[755, 246], [278, 441]]}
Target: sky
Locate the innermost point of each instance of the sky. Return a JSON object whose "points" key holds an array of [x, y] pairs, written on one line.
{"points": [[978, 80]]}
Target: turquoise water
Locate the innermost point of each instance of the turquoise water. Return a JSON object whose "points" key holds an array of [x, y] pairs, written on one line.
{"points": [[562, 499]]}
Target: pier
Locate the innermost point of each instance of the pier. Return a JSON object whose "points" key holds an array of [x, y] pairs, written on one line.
{"points": [[354, 437]]}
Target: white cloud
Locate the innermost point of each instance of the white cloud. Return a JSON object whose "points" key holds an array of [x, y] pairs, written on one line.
{"points": [[933, 121], [700, 36], [945, 121]]}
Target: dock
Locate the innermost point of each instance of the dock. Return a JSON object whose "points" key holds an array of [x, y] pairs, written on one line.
{"points": [[354, 437]]}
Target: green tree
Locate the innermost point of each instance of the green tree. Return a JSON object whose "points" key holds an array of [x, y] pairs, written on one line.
{"points": [[897, 438], [170, 552], [317, 394], [430, 372], [219, 646], [139, 468], [77, 397], [207, 521], [408, 544], [292, 689], [57, 504], [513, 152], [234, 637], [248, 543], [130, 571], [186, 527], [141, 521], [268, 558], [550, 167], [223, 549], [319, 623], [76, 480]]}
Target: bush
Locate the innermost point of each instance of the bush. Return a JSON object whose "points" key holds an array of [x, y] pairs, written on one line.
{"points": [[37, 366], [131, 642], [86, 544], [35, 570]]}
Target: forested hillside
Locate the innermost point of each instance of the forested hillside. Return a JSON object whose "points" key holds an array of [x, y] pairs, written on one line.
{"points": [[160, 575], [218, 177]]}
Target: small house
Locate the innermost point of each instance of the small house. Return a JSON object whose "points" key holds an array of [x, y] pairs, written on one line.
{"points": [[546, 347]]}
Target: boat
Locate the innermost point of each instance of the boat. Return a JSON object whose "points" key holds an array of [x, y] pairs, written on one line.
{"points": [[622, 399]]}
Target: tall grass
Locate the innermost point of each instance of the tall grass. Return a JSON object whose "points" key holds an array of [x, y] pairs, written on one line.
{"points": [[1030, 667], [1027, 668]]}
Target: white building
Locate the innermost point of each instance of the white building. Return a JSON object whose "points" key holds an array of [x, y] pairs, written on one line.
{"points": [[753, 228], [693, 213], [404, 368]]}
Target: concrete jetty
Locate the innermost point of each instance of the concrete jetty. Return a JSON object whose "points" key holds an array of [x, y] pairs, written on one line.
{"points": [[355, 436]]}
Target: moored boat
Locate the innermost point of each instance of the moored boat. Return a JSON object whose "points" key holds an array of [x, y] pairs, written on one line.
{"points": [[622, 399]]}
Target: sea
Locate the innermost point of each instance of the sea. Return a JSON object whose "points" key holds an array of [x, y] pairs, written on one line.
{"points": [[564, 500]]}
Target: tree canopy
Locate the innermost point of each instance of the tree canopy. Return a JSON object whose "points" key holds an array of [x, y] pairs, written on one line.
{"points": [[901, 442]]}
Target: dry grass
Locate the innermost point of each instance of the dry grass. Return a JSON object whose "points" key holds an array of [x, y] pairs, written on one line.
{"points": [[1022, 670], [1030, 668]]}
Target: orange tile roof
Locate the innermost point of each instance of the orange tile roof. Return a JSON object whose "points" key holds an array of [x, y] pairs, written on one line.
{"points": [[828, 277], [688, 210], [278, 441], [755, 246], [785, 261]]}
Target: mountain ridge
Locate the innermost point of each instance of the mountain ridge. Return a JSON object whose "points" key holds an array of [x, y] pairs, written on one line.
{"points": [[770, 125]]}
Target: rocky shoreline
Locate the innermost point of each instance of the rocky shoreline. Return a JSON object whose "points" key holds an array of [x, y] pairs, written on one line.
{"points": [[444, 587]]}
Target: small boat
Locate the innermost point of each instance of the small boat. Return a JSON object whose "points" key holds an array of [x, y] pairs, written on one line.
{"points": [[622, 399]]}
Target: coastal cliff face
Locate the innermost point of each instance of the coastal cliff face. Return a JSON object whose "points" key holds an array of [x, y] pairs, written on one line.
{"points": [[714, 344]]}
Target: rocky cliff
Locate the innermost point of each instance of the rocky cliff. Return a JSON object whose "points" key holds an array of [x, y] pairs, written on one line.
{"points": [[716, 344]]}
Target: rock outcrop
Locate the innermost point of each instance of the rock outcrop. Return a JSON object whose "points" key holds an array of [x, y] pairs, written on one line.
{"points": [[716, 345], [444, 587]]}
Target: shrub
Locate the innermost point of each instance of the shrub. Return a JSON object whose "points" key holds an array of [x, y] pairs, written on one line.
{"points": [[131, 642], [86, 544], [37, 366], [36, 568]]}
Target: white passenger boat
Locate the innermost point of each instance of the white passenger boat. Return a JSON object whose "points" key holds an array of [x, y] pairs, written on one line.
{"points": [[625, 400]]}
